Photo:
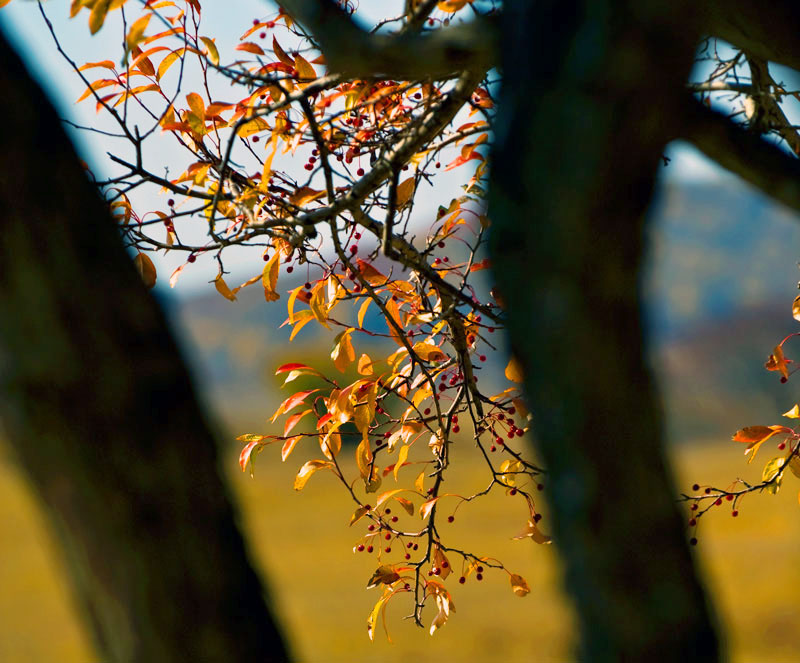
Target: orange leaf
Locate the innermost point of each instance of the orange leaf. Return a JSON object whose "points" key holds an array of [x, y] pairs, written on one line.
{"points": [[514, 370], [223, 289], [270, 277], [98, 15], [796, 308], [250, 47], [288, 446], [305, 71], [777, 362], [292, 402], [292, 421], [427, 507], [280, 53]]}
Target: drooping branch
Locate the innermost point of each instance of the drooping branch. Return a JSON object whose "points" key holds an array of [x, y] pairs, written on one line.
{"points": [[744, 153], [409, 55]]}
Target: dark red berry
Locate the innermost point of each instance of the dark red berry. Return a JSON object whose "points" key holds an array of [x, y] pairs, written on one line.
{"points": [[370, 549], [192, 257], [479, 576], [696, 487], [734, 513], [462, 580], [360, 172], [360, 548], [692, 522], [450, 519]]}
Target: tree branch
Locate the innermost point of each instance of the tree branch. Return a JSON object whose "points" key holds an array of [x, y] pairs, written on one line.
{"points": [[765, 31], [763, 165], [438, 54]]}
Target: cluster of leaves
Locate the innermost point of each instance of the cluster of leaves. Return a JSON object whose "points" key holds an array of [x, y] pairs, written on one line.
{"points": [[787, 441], [321, 171], [347, 218]]}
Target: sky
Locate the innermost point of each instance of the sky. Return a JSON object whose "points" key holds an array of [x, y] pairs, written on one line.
{"points": [[24, 26]]}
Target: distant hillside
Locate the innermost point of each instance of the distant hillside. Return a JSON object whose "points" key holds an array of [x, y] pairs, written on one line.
{"points": [[722, 275]]}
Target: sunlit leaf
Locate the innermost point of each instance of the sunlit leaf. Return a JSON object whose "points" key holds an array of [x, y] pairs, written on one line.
{"points": [[796, 308], [402, 455], [794, 413], [98, 15], [223, 289], [289, 445], [213, 53], [426, 508], [772, 470], [270, 279], [384, 575], [343, 353], [358, 514], [307, 470], [405, 191]]}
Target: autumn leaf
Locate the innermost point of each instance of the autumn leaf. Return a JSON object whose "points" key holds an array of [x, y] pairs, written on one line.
{"points": [[519, 586], [796, 308], [305, 71], [98, 15], [755, 436], [146, 269], [794, 413], [405, 192], [384, 575], [307, 470], [426, 508], [292, 402], [532, 532], [213, 53], [269, 277], [772, 473], [777, 362], [136, 33], [429, 352], [289, 445], [513, 370], [223, 289], [343, 353], [358, 514]]}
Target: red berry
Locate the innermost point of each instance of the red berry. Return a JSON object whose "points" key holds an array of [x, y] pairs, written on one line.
{"points": [[370, 549], [407, 556], [437, 165], [192, 257], [513, 491], [360, 172], [360, 548], [784, 380], [354, 248], [394, 519], [266, 257], [387, 549], [262, 35], [692, 522], [271, 24], [171, 202], [450, 519], [729, 498], [371, 528], [493, 448], [693, 507], [782, 446], [734, 513], [388, 536], [289, 269], [693, 541], [462, 580], [256, 21], [696, 487], [479, 576]]}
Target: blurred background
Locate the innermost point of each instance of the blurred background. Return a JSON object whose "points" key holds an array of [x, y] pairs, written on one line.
{"points": [[721, 277]]}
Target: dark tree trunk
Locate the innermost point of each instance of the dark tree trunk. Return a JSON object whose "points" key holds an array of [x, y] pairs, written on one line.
{"points": [[591, 90], [100, 410]]}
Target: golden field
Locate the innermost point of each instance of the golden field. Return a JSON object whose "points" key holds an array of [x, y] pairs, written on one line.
{"points": [[302, 541]]}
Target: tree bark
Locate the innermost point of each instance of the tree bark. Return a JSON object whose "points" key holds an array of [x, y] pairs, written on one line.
{"points": [[592, 91], [100, 410]]}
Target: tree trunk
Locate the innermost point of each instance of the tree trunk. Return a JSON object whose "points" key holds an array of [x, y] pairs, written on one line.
{"points": [[591, 90], [100, 410]]}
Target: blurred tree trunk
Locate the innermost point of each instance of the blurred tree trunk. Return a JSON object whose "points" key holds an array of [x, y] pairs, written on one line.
{"points": [[591, 93], [100, 411]]}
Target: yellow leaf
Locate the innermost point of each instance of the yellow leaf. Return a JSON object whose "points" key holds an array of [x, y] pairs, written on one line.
{"points": [[98, 15], [405, 191], [318, 306], [519, 586], [304, 70], [359, 513], [136, 33], [300, 321], [223, 289], [796, 308], [307, 470], [365, 365], [794, 413], [270, 279], [419, 482], [197, 105], [384, 497], [363, 311], [429, 352], [254, 126], [771, 470], [213, 53], [146, 269], [514, 370], [364, 458], [343, 353], [794, 466], [402, 455], [408, 505], [426, 508]]}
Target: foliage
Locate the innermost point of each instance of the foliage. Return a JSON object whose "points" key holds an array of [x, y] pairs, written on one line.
{"points": [[350, 217]]}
